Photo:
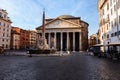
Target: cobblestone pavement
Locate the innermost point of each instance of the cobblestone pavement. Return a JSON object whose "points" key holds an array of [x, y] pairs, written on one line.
{"points": [[76, 66]]}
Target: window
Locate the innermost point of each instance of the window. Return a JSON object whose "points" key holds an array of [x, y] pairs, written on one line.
{"points": [[108, 18], [110, 2], [7, 35], [111, 23], [107, 6], [115, 33], [115, 22], [112, 35], [3, 34], [107, 26], [114, 8], [119, 19], [0, 14], [7, 40], [119, 32], [103, 11], [107, 35], [3, 29], [111, 12], [8, 26], [4, 24], [114, 0], [3, 40]]}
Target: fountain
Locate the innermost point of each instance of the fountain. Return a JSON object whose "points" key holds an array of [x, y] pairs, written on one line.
{"points": [[42, 43], [42, 46]]}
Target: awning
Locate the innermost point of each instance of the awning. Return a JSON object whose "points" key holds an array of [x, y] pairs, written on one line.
{"points": [[113, 44], [98, 45]]}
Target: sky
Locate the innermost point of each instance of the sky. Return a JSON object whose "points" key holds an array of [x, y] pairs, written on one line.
{"points": [[27, 14]]}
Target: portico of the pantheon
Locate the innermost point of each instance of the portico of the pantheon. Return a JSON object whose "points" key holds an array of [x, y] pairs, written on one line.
{"points": [[66, 32]]}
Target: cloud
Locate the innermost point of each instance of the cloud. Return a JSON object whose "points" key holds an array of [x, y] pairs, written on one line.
{"points": [[28, 13], [77, 7], [22, 12]]}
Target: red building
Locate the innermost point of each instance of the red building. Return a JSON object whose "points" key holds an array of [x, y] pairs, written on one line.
{"points": [[24, 39]]}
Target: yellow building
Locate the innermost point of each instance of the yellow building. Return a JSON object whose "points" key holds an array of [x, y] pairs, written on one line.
{"points": [[33, 36]]}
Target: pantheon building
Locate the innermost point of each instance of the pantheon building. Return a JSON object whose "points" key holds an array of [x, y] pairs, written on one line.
{"points": [[66, 32]]}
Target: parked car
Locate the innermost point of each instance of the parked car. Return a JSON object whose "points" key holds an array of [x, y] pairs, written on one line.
{"points": [[95, 50]]}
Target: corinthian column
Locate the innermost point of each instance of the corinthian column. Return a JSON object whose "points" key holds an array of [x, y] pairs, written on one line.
{"points": [[49, 40], [80, 46], [68, 41], [55, 40], [61, 41], [73, 41]]}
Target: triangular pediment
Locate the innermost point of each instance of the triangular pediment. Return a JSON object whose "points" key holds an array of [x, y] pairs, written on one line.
{"points": [[61, 23]]}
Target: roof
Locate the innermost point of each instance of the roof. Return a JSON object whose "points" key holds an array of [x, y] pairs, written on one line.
{"points": [[66, 16], [59, 18]]}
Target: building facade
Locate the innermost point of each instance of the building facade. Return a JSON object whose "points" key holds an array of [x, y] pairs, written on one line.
{"points": [[15, 38], [93, 40], [66, 32], [33, 37], [109, 21], [24, 39], [5, 29]]}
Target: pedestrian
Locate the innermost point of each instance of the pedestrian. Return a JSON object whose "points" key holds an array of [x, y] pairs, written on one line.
{"points": [[1, 50]]}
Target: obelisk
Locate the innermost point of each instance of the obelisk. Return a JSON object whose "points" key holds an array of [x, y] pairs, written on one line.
{"points": [[45, 45], [43, 27], [42, 43]]}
